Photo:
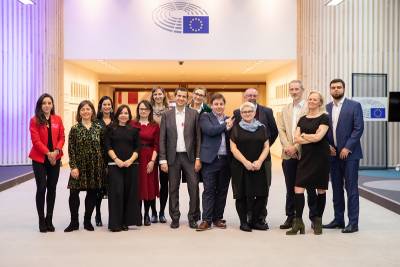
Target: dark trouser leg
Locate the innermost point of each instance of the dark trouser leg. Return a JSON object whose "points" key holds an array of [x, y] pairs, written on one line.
{"points": [[241, 208], [321, 202], [52, 180], [115, 197], [163, 190], [258, 205], [90, 202], [208, 196], [337, 174], [192, 186], [351, 185], [74, 203], [131, 213], [222, 186], [174, 180], [289, 168], [264, 212], [299, 204], [99, 199], [39, 170]]}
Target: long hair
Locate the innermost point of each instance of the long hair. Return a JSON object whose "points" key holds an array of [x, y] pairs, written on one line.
{"points": [[39, 114], [83, 103], [99, 108], [118, 112], [165, 100], [148, 106]]}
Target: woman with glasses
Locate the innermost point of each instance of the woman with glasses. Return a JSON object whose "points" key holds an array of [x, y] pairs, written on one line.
{"points": [[250, 147], [148, 168], [198, 97]]}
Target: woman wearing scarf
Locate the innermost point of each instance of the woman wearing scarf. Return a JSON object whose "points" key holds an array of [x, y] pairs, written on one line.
{"points": [[250, 147]]}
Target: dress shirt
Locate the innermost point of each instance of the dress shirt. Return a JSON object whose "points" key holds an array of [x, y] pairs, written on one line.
{"points": [[180, 125], [295, 116], [222, 147], [335, 116]]}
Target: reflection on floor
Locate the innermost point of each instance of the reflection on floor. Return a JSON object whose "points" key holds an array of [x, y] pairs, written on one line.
{"points": [[381, 187]]}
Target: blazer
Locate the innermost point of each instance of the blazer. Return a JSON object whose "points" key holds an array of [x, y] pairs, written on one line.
{"points": [[211, 131], [39, 137], [349, 128], [169, 135], [284, 121], [266, 117]]}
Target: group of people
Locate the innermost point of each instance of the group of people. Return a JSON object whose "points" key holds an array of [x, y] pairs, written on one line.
{"points": [[135, 160]]}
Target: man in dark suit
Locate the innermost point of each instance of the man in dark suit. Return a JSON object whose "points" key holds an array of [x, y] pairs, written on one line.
{"points": [[265, 116], [180, 151], [345, 131], [215, 158]]}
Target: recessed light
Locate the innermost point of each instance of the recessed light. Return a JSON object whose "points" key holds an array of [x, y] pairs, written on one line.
{"points": [[27, 2], [334, 2]]}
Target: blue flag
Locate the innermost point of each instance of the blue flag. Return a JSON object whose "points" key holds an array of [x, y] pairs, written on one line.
{"points": [[377, 113], [195, 24]]}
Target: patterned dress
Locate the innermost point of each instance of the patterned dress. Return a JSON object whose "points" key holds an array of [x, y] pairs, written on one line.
{"points": [[85, 150]]}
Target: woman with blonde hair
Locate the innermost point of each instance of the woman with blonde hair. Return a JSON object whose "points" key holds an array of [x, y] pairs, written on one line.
{"points": [[313, 166]]}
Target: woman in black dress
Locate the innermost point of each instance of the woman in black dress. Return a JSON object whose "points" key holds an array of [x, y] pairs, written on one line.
{"points": [[313, 167], [250, 147], [105, 117], [122, 145]]}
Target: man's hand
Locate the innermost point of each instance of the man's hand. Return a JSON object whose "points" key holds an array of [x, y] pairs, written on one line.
{"points": [[197, 165], [344, 153], [291, 151]]}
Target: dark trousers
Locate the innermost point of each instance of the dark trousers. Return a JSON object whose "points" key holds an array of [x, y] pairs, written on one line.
{"points": [[344, 174], [250, 205], [289, 167], [46, 177], [182, 163], [163, 190], [216, 177], [264, 212], [74, 202], [123, 203]]}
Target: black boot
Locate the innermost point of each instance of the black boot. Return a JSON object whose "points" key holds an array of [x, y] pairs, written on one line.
{"points": [[298, 225], [42, 225], [73, 226], [87, 224], [317, 225], [98, 220], [49, 223]]}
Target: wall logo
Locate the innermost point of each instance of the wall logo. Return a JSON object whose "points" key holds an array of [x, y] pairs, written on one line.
{"points": [[181, 17], [374, 108]]}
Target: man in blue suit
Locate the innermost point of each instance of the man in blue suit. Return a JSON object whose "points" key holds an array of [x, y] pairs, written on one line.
{"points": [[215, 158], [345, 130]]}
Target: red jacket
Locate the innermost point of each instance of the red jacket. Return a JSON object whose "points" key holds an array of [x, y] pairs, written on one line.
{"points": [[39, 137]]}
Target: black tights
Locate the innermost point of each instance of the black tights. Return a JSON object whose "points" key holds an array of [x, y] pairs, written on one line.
{"points": [[147, 205], [163, 191], [74, 202]]}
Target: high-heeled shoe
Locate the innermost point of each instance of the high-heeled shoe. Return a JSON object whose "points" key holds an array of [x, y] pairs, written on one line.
{"points": [[97, 218], [147, 221], [49, 223], [162, 218], [317, 225], [298, 225], [154, 218]]}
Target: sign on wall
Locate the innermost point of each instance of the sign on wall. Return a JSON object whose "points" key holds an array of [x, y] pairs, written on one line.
{"points": [[374, 108]]}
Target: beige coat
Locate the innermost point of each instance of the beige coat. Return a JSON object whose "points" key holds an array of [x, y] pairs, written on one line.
{"points": [[284, 121]]}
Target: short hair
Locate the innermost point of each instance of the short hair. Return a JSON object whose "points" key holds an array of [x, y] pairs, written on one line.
{"points": [[148, 106], [81, 105], [297, 81], [183, 89], [338, 81], [165, 100], [321, 98], [247, 104], [217, 96]]}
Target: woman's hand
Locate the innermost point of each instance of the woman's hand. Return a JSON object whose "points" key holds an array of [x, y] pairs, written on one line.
{"points": [[248, 165], [75, 173], [127, 163], [119, 163], [256, 165], [150, 166]]}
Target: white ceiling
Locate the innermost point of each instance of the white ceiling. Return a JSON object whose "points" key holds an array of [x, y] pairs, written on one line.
{"points": [[189, 71]]}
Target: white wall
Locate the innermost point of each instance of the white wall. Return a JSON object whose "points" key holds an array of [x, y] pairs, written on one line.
{"points": [[109, 29], [278, 80]]}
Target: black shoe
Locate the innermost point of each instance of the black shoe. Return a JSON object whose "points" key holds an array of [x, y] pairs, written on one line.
{"points": [[154, 218], [88, 226], [49, 224], [287, 224], [147, 220], [174, 224], [99, 223], [115, 230], [260, 226], [350, 229], [245, 227], [333, 225], [193, 224], [73, 226], [162, 218], [124, 228], [42, 225]]}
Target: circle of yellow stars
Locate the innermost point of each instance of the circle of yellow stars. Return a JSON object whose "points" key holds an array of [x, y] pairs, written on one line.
{"points": [[198, 20]]}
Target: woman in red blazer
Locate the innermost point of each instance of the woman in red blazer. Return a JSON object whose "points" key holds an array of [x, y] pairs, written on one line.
{"points": [[47, 134]]}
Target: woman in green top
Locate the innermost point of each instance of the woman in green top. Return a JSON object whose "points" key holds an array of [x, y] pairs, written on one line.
{"points": [[198, 97], [86, 162]]}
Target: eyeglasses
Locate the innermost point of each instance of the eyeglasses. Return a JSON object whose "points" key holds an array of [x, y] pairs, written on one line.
{"points": [[247, 111]]}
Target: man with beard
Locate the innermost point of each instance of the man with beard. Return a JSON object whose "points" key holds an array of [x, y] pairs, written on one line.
{"points": [[265, 116], [345, 131]]}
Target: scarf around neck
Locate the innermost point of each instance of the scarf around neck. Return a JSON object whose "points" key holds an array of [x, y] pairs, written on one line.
{"points": [[250, 126]]}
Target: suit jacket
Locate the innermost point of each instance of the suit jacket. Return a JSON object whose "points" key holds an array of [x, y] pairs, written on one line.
{"points": [[169, 135], [211, 131], [39, 136], [266, 116], [284, 120], [349, 128]]}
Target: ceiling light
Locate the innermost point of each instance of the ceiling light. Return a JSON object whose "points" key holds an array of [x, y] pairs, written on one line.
{"points": [[27, 2], [333, 2]]}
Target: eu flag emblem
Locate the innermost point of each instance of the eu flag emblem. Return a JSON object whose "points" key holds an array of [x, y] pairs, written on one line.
{"points": [[377, 113], [195, 24]]}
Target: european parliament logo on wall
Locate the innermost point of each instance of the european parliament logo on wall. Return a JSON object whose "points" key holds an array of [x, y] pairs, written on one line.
{"points": [[374, 108], [182, 17]]}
